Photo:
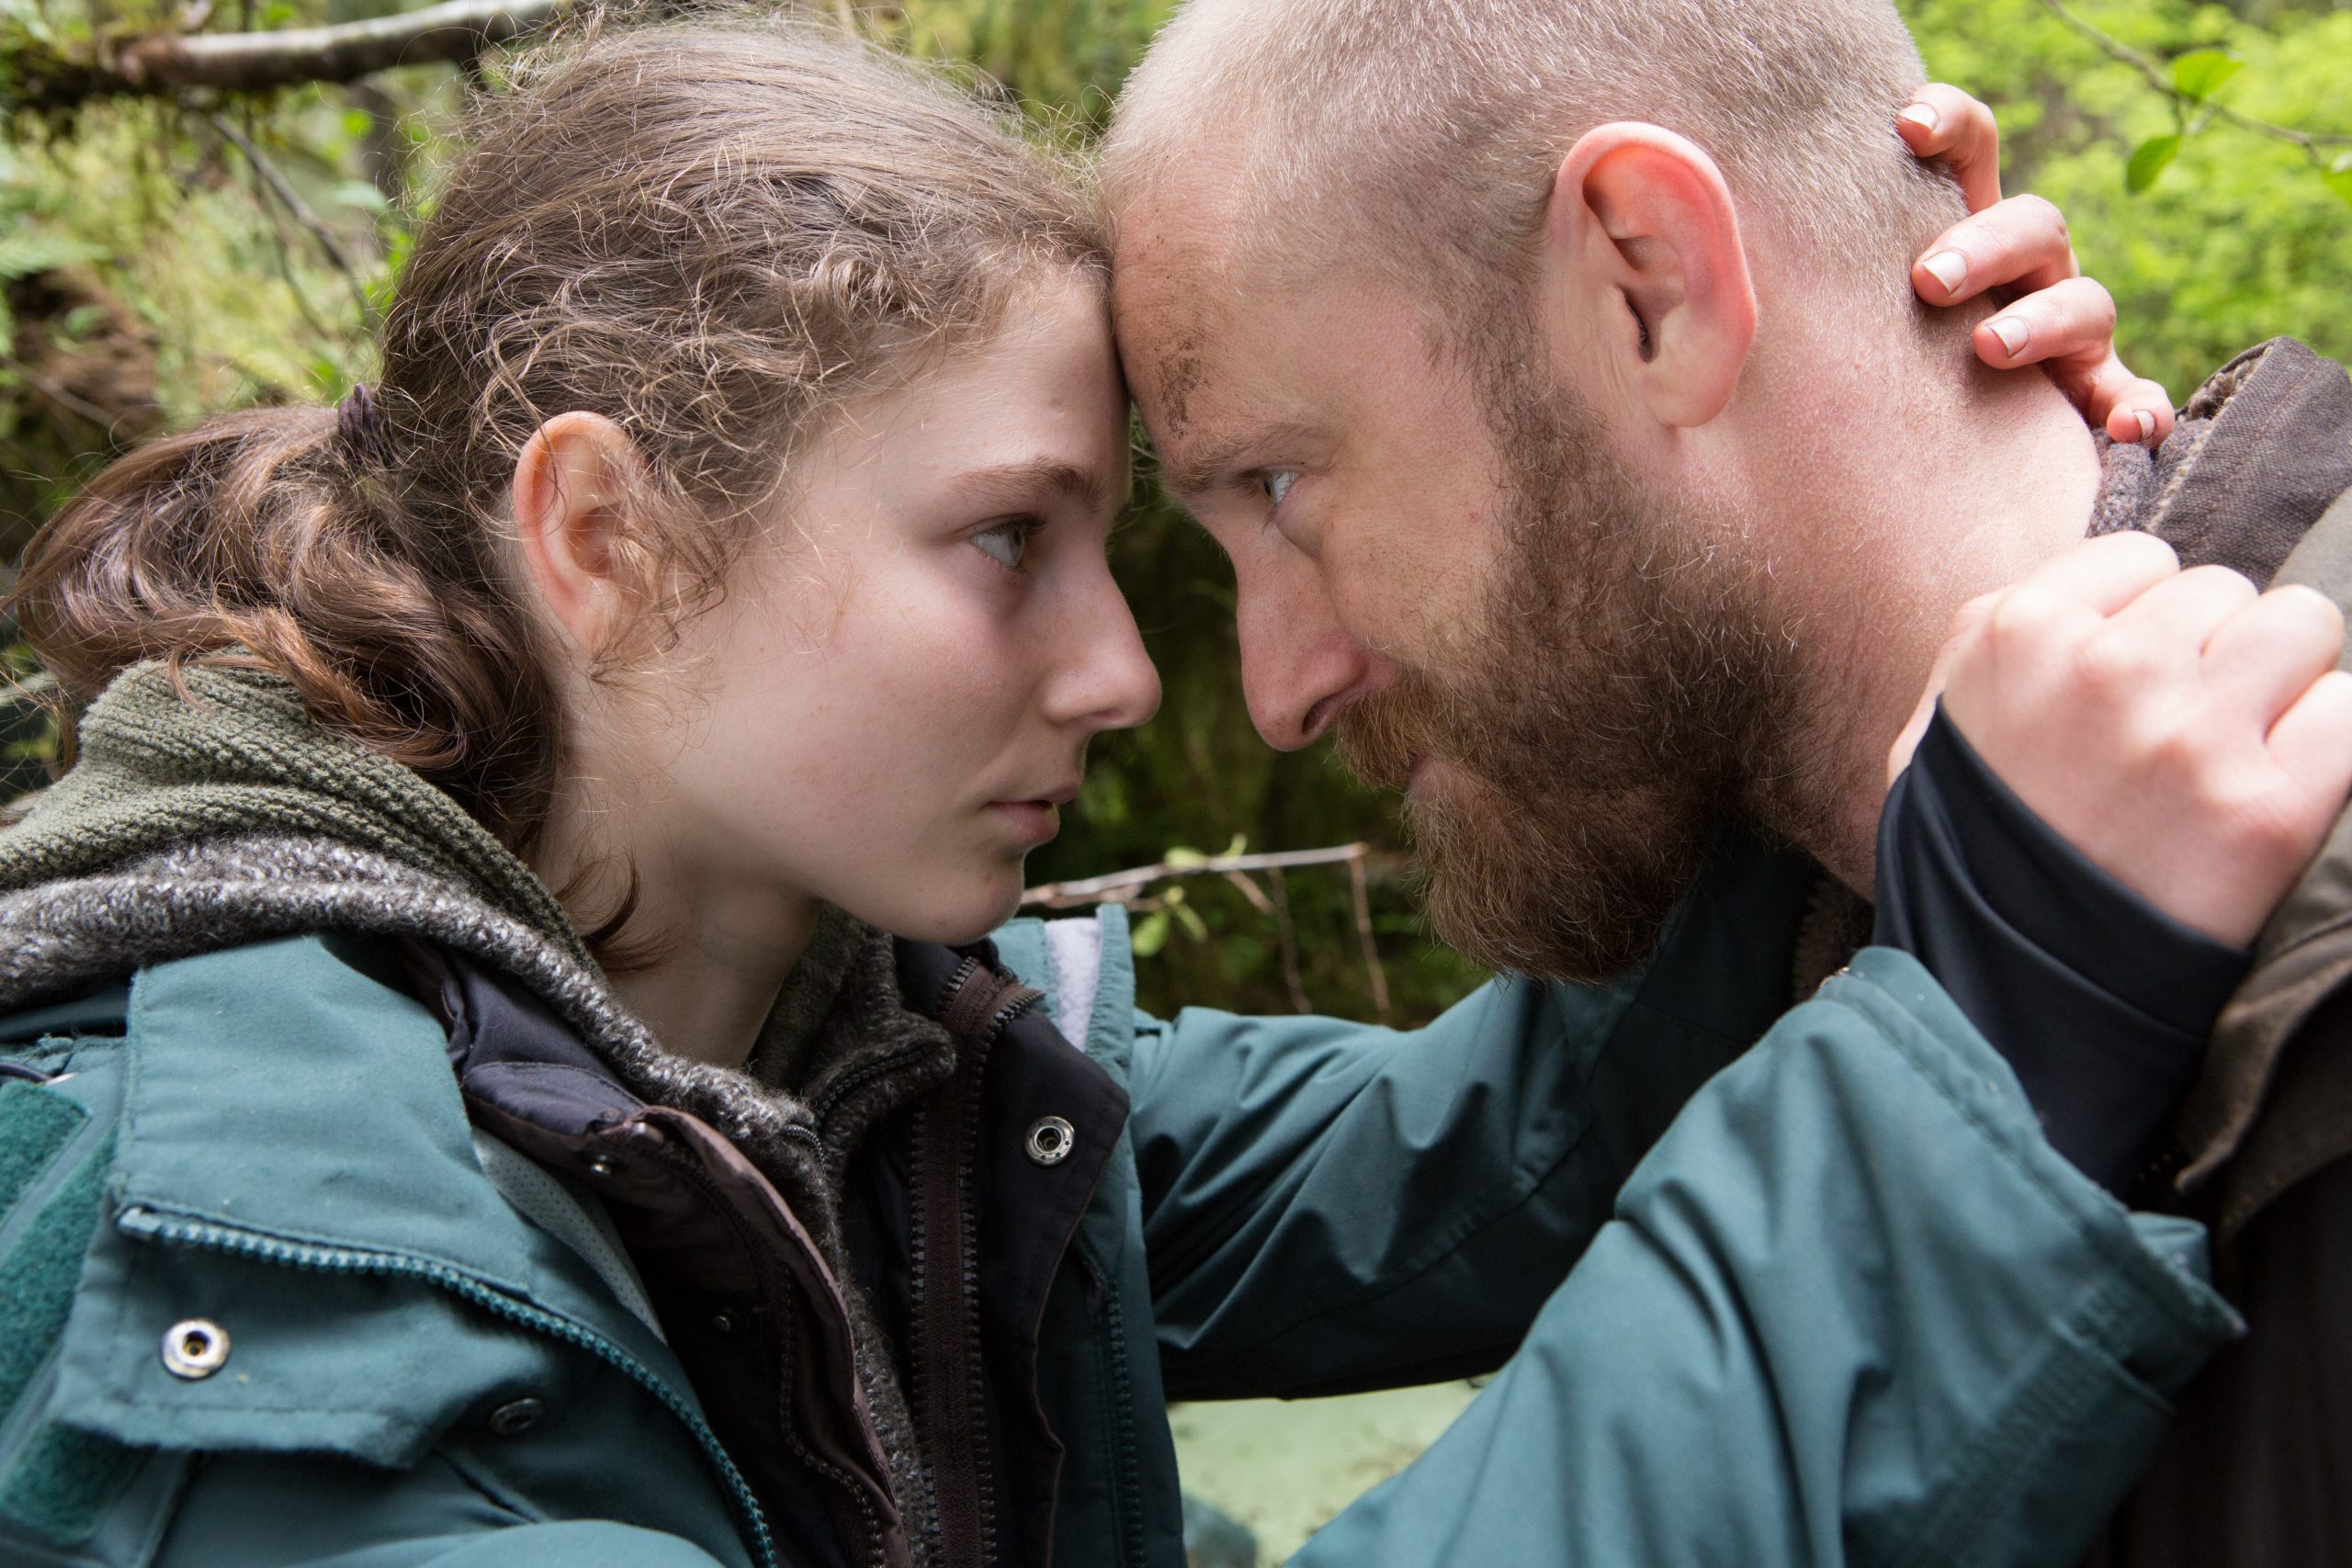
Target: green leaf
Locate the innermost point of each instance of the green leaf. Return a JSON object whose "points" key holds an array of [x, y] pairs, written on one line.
{"points": [[2339, 179], [1190, 919], [2199, 73], [360, 194], [1151, 935], [2151, 159]]}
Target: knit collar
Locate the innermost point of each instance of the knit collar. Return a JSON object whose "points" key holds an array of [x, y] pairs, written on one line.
{"points": [[226, 815], [226, 752]]}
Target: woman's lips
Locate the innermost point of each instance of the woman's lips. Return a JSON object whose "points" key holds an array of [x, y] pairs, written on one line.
{"points": [[1035, 820]]}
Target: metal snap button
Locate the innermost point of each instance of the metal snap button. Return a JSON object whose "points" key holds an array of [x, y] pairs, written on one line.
{"points": [[1050, 1140], [516, 1416], [195, 1348]]}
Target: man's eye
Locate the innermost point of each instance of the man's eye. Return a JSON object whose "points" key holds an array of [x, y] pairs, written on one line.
{"points": [[1006, 544], [1276, 483]]}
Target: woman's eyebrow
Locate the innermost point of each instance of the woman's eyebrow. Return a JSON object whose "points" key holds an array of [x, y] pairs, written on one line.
{"points": [[1011, 483]]}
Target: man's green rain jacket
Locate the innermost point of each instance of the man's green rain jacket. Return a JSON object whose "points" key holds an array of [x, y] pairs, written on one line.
{"points": [[266, 1297]]}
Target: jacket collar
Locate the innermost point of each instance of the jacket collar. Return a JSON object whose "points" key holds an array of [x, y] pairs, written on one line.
{"points": [[242, 1116], [2261, 450], [2258, 488]]}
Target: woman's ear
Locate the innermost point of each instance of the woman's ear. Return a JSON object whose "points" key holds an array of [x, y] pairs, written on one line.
{"points": [[1644, 262], [574, 481]]}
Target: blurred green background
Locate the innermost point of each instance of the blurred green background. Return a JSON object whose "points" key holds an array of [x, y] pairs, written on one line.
{"points": [[165, 257]]}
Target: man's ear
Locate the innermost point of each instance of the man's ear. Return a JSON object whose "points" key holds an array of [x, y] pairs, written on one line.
{"points": [[574, 481], [1641, 237]]}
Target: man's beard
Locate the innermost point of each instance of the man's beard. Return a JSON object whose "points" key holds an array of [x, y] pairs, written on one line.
{"points": [[1630, 692]]}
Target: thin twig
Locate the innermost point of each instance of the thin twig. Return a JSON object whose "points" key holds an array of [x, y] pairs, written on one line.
{"points": [[62, 396], [284, 255], [299, 209], [1275, 907], [162, 64], [1288, 934], [1364, 934], [1252, 891], [1108, 889], [2160, 79]]}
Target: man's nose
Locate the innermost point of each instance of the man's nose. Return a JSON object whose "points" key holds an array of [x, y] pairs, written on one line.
{"points": [[1107, 680], [1299, 665]]}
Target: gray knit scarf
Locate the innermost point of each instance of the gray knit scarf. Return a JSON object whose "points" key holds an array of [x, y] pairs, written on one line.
{"points": [[197, 822]]}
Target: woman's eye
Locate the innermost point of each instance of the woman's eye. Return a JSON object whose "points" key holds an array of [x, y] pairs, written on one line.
{"points": [[1276, 483], [1006, 544]]}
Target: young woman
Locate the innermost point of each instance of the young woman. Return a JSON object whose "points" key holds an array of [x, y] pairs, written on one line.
{"points": [[459, 1105]]}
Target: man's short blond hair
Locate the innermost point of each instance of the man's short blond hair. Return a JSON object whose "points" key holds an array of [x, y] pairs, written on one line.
{"points": [[1421, 136]]}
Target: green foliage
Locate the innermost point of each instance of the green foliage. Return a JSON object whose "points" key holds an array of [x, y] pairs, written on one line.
{"points": [[2243, 237]]}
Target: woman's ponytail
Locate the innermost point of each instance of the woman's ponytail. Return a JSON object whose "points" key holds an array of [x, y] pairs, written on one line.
{"points": [[274, 538]]}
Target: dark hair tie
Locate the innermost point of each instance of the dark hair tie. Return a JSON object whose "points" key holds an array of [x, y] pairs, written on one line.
{"points": [[360, 427]]}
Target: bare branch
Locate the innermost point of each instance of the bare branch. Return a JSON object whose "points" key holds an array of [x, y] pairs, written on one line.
{"points": [[1364, 935], [300, 210], [1252, 891], [62, 396], [162, 64], [1113, 887], [1288, 935]]}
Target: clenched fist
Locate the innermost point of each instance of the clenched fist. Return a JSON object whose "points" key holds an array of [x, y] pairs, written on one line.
{"points": [[2189, 737]]}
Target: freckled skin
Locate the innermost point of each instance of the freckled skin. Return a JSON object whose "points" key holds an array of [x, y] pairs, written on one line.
{"points": [[874, 681], [1382, 550]]}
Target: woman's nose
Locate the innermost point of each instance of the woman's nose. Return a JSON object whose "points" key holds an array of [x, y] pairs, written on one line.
{"points": [[1110, 683]]}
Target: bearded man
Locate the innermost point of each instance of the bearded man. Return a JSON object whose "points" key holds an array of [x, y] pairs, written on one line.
{"points": [[1494, 340]]}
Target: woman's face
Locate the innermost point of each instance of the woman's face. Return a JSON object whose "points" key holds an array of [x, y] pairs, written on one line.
{"points": [[898, 688]]}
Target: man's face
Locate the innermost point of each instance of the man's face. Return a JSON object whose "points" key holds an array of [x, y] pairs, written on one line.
{"points": [[1573, 681]]}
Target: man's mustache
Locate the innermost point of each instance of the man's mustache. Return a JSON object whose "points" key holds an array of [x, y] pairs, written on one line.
{"points": [[1382, 735]]}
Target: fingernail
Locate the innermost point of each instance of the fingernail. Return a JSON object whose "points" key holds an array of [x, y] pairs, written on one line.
{"points": [[2147, 423], [2011, 332], [1951, 269], [1920, 115]]}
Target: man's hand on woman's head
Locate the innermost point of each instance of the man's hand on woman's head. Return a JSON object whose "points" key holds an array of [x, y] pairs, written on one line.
{"points": [[2060, 320], [2191, 738]]}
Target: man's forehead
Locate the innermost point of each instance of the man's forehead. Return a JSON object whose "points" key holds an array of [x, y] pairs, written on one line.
{"points": [[1216, 360], [1171, 328]]}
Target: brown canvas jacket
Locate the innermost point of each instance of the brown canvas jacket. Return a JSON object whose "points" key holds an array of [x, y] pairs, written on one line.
{"points": [[2258, 1468]]}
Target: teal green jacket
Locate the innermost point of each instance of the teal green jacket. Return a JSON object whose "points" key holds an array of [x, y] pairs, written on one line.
{"points": [[265, 1298]]}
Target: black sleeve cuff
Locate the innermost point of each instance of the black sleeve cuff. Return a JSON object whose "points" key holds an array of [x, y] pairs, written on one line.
{"points": [[2100, 1002]]}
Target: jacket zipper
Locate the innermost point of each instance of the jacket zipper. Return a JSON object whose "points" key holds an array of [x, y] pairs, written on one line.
{"points": [[779, 1299], [144, 1222], [948, 1380], [823, 1111]]}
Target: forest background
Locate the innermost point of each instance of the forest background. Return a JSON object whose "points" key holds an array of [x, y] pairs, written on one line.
{"points": [[167, 251]]}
